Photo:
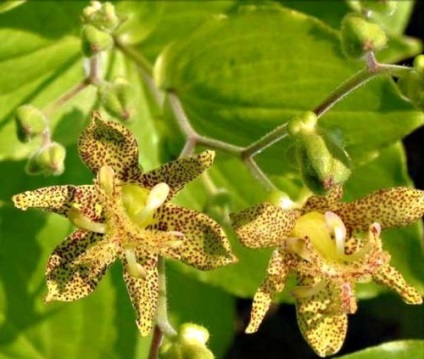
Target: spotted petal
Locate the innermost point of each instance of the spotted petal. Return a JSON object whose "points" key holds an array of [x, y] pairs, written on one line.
{"points": [[144, 291], [263, 225], [204, 244], [390, 277], [324, 203], [277, 271], [76, 266], [391, 208], [106, 143], [179, 172], [59, 199], [323, 329]]}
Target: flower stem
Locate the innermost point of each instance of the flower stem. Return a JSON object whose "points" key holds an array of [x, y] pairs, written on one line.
{"points": [[264, 142], [136, 56], [155, 344], [372, 70]]}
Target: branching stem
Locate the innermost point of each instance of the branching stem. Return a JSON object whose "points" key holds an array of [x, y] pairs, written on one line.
{"points": [[136, 56]]}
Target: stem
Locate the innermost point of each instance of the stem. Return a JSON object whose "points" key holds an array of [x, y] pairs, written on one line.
{"points": [[133, 54], [162, 309], [267, 140], [155, 344], [259, 175], [373, 70]]}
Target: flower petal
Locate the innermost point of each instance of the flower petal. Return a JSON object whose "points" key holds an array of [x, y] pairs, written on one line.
{"points": [[179, 172], [393, 207], [277, 271], [59, 199], [106, 143], [76, 266], [263, 225], [144, 292], [390, 277], [324, 203], [324, 330], [203, 245]]}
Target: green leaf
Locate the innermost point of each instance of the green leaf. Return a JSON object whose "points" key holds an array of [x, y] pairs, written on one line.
{"points": [[403, 349], [242, 74]]}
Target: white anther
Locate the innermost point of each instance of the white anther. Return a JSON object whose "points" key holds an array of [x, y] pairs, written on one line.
{"points": [[155, 199], [133, 268], [106, 177], [81, 221], [336, 226]]}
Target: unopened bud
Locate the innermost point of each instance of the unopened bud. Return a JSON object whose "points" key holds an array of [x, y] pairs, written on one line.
{"points": [[190, 344], [323, 163], [380, 6], [30, 122], [102, 16], [95, 40], [360, 36], [118, 99], [282, 200], [48, 160], [412, 87], [419, 65]]}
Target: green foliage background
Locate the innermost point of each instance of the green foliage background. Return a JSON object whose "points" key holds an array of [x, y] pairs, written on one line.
{"points": [[240, 69]]}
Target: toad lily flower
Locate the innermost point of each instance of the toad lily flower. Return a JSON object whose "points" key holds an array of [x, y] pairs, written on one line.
{"points": [[126, 215], [329, 246]]}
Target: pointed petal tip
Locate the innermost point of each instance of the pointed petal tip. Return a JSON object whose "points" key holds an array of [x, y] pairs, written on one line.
{"points": [[18, 201]]}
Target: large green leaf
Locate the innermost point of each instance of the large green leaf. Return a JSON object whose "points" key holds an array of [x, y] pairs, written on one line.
{"points": [[250, 71], [403, 349]]}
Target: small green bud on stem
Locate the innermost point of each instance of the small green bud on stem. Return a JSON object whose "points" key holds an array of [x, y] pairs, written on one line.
{"points": [[360, 36], [379, 6], [323, 163], [30, 122], [48, 160], [189, 344], [118, 99], [95, 40], [102, 16]]}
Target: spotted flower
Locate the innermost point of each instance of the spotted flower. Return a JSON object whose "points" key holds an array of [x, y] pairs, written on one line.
{"points": [[329, 246], [126, 214]]}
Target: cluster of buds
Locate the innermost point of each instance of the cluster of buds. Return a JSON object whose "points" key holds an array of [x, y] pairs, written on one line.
{"points": [[359, 34], [412, 84], [190, 343], [49, 158], [100, 22], [323, 162]]}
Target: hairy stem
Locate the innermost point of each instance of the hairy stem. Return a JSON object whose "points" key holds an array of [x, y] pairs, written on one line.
{"points": [[136, 56], [277, 134], [372, 70], [155, 344]]}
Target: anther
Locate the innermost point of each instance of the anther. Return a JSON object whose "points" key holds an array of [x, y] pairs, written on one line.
{"points": [[132, 267], [78, 219]]}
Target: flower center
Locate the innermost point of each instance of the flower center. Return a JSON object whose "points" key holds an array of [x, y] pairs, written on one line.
{"points": [[326, 232]]}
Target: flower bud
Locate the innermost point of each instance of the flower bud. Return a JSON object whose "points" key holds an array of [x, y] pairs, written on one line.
{"points": [[380, 6], [412, 87], [189, 344], [360, 36], [30, 122], [48, 160], [419, 66], [323, 163], [118, 99], [95, 40], [102, 16]]}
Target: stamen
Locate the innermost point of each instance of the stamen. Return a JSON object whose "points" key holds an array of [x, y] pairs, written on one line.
{"points": [[155, 199], [297, 246], [308, 291], [106, 177], [132, 267], [78, 219], [336, 226]]}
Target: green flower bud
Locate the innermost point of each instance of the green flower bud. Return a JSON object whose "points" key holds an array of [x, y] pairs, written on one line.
{"points": [[412, 87], [380, 6], [95, 40], [360, 36], [323, 163], [48, 160], [419, 65], [282, 200], [189, 344], [30, 122], [118, 99], [102, 16]]}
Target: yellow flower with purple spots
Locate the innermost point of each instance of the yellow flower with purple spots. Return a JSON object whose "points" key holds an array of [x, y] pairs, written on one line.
{"points": [[329, 246], [126, 214]]}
